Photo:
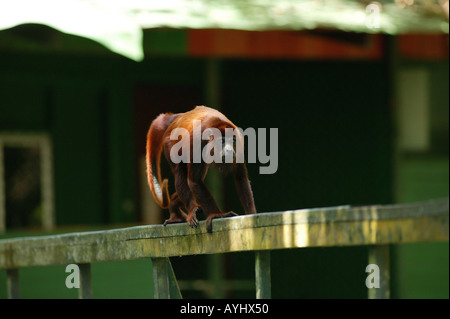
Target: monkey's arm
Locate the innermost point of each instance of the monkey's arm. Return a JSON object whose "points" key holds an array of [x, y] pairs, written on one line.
{"points": [[203, 196], [244, 189], [196, 174]]}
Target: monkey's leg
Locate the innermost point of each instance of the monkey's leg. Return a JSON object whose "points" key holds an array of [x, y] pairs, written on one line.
{"points": [[185, 194], [203, 196], [244, 189], [177, 215]]}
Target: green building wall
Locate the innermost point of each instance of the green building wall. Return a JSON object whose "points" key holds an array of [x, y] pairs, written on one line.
{"points": [[336, 145]]}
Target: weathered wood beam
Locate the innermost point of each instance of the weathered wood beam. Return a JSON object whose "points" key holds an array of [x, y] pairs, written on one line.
{"points": [[334, 226]]}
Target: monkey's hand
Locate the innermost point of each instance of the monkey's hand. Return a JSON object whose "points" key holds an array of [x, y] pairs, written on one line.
{"points": [[217, 215], [191, 218]]}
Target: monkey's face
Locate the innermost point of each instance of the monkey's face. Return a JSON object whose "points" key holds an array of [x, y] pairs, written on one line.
{"points": [[227, 155], [227, 149], [221, 152]]}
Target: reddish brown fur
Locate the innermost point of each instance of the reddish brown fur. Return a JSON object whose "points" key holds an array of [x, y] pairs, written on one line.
{"points": [[191, 191]]}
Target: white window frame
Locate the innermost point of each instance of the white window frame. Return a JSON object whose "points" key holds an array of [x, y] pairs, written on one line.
{"points": [[43, 142]]}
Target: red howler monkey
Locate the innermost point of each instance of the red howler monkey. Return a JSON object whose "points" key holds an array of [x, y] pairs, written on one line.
{"points": [[191, 191]]}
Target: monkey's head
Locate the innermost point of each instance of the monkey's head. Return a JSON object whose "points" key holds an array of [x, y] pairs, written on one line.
{"points": [[227, 149], [227, 154], [220, 150]]}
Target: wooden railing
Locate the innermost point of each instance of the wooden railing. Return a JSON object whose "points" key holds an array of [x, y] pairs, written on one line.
{"points": [[374, 226]]}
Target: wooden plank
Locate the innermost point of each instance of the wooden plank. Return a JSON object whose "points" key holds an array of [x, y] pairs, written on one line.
{"points": [[161, 278], [262, 275], [335, 226], [12, 283], [379, 255], [85, 291]]}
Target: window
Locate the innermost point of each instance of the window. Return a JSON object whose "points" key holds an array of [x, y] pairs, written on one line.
{"points": [[26, 181]]}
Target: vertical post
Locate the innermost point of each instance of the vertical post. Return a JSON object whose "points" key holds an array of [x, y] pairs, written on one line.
{"points": [[48, 219], [160, 278], [379, 255], [85, 291], [174, 289], [262, 274], [214, 180], [12, 283], [216, 276]]}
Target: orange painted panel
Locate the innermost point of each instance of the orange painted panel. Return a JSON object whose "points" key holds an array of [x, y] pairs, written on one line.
{"points": [[278, 44]]}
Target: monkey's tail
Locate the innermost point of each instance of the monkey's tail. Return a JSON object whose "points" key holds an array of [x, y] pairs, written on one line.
{"points": [[154, 149]]}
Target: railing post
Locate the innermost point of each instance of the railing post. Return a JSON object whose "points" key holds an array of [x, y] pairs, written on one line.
{"points": [[164, 282], [85, 291], [262, 274], [12, 283], [160, 278], [174, 289], [379, 255]]}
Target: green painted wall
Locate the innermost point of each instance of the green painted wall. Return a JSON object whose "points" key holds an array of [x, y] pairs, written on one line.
{"points": [[335, 148], [335, 145], [122, 280], [74, 100], [422, 269]]}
